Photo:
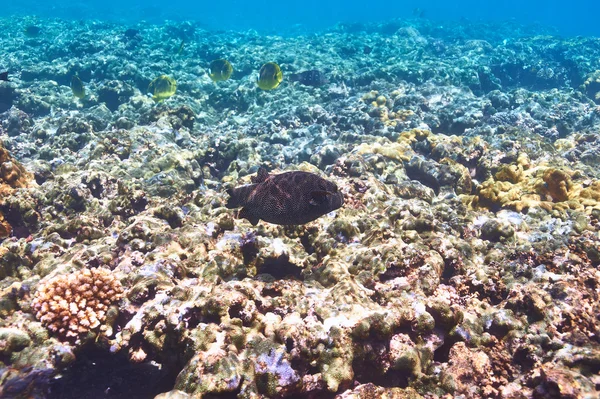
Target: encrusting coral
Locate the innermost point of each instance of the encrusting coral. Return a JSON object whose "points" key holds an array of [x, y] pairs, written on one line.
{"points": [[591, 86], [75, 306], [548, 187], [12, 175]]}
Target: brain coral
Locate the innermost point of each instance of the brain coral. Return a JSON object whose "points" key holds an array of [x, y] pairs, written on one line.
{"points": [[76, 305]]}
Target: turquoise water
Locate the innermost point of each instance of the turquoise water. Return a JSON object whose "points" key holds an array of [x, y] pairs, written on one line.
{"points": [[393, 198], [569, 18]]}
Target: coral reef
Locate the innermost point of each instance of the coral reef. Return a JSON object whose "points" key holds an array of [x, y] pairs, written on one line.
{"points": [[464, 262]]}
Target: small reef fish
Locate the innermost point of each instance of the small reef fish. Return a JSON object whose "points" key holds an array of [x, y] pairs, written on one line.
{"points": [[77, 87], [288, 198], [162, 87], [181, 47], [4, 76], [131, 34], [269, 76], [312, 77], [220, 70]]}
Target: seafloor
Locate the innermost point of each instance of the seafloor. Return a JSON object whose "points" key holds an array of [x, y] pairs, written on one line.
{"points": [[464, 263]]}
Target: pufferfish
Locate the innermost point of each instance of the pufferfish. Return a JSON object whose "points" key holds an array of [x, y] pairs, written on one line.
{"points": [[288, 198]]}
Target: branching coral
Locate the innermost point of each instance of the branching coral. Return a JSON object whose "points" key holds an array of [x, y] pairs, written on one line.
{"points": [[75, 306]]}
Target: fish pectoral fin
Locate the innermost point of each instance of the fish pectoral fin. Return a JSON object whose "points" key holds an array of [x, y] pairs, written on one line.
{"points": [[318, 197], [245, 214]]}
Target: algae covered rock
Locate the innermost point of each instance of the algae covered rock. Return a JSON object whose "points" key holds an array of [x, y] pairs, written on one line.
{"points": [[495, 230], [465, 364], [114, 93], [8, 95], [13, 340]]}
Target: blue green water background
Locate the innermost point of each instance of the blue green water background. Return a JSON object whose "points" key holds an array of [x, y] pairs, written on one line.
{"points": [[576, 17]]}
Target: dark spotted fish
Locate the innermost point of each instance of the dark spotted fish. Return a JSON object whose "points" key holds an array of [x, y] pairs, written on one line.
{"points": [[4, 76], [32, 31], [287, 198], [313, 78], [131, 34]]}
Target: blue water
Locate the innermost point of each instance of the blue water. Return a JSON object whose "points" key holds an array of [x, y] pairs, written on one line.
{"points": [[577, 17]]}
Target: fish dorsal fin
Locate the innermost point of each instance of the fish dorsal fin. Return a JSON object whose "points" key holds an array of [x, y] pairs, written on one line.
{"points": [[318, 197], [261, 176]]}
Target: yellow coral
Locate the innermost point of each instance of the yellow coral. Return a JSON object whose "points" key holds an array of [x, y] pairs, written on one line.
{"points": [[75, 305], [402, 149], [519, 187], [397, 151], [510, 173], [556, 185]]}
